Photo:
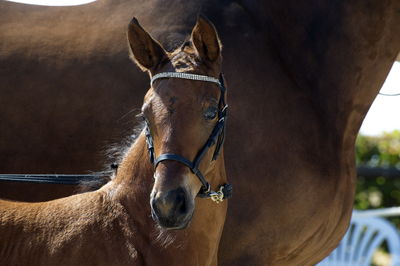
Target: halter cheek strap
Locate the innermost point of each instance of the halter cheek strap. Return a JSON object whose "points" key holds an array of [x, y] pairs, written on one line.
{"points": [[216, 138]]}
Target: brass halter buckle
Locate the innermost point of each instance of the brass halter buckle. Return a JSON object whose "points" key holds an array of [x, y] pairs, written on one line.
{"points": [[217, 196]]}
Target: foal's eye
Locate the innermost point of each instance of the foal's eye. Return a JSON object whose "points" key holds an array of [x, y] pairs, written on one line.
{"points": [[211, 113]]}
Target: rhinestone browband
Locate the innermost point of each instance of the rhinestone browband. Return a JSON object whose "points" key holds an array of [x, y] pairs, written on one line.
{"points": [[184, 76]]}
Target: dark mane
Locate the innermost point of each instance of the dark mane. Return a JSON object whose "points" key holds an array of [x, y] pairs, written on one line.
{"points": [[114, 155], [184, 58]]}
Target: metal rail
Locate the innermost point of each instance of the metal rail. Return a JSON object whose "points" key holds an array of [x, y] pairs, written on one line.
{"points": [[385, 212]]}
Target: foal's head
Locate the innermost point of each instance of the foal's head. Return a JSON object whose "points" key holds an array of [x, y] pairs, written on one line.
{"points": [[181, 114]]}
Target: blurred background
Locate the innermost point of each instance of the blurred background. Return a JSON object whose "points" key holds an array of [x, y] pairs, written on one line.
{"points": [[378, 150], [378, 157]]}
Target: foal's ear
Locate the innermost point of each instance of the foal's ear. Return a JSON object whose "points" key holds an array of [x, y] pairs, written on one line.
{"points": [[205, 39], [145, 51]]}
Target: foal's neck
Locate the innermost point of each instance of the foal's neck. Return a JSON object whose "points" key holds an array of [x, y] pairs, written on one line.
{"points": [[134, 178]]}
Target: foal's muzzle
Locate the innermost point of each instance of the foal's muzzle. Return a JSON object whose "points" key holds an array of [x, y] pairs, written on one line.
{"points": [[172, 209]]}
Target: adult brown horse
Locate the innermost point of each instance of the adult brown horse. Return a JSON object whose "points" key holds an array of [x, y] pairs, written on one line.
{"points": [[112, 226], [302, 76]]}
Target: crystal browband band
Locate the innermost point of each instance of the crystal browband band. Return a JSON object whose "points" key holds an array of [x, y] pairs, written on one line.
{"points": [[184, 76]]}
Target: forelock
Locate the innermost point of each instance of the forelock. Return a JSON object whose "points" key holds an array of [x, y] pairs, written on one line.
{"points": [[185, 58]]}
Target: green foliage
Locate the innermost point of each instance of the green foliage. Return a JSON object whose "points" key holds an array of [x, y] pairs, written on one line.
{"points": [[379, 192], [379, 151]]}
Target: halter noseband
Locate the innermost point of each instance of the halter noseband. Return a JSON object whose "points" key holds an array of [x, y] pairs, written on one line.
{"points": [[216, 138]]}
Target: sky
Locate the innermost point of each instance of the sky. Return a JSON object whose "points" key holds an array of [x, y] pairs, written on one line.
{"points": [[383, 116]]}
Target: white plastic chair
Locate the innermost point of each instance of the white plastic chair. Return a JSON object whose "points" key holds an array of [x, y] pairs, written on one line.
{"points": [[362, 239]]}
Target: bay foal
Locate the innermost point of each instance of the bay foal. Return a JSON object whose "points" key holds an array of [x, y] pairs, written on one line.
{"points": [[113, 226]]}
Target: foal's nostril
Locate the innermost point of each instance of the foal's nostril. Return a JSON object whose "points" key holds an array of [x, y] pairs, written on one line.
{"points": [[177, 198], [172, 209]]}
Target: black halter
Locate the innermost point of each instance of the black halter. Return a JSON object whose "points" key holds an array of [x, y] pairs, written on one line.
{"points": [[216, 138]]}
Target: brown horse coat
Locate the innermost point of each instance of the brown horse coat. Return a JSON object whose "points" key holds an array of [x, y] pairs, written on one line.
{"points": [[302, 77], [111, 226]]}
